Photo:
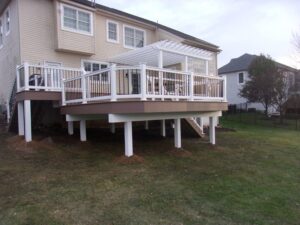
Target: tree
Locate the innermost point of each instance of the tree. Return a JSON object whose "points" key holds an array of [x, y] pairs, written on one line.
{"points": [[282, 86], [262, 79]]}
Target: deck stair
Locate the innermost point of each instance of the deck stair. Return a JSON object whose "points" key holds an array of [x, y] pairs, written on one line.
{"points": [[195, 125]]}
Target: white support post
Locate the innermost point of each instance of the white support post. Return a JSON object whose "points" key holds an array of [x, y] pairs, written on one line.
{"points": [[113, 128], [70, 127], [21, 118], [52, 79], [27, 117], [7, 111], [113, 83], [82, 130], [83, 87], [186, 69], [130, 81], [146, 125], [191, 86], [177, 133], [128, 138], [63, 92], [212, 131], [206, 67], [163, 128], [143, 82], [26, 76]]}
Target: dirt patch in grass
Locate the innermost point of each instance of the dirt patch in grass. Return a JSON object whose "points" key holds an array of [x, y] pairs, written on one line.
{"points": [[19, 144], [180, 153], [129, 160]]}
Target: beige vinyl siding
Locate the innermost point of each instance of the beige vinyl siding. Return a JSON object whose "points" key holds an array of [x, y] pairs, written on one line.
{"points": [[9, 53]]}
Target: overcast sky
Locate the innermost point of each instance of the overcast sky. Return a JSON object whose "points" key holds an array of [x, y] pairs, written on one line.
{"points": [[237, 26]]}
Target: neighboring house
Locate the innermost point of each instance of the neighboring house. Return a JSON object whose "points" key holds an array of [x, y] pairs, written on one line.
{"points": [[90, 62], [236, 73]]}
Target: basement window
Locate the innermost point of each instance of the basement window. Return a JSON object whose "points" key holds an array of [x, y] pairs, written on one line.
{"points": [[76, 20]]}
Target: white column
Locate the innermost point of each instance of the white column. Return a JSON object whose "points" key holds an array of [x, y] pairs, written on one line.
{"points": [[70, 127], [160, 65], [83, 87], [163, 128], [177, 133], [128, 138], [27, 117], [26, 76], [113, 128], [212, 132], [82, 130], [146, 125], [21, 118]]}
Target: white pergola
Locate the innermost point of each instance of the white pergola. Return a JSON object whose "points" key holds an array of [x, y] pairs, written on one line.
{"points": [[161, 54]]}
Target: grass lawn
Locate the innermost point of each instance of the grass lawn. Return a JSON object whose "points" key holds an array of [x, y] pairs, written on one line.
{"points": [[252, 176]]}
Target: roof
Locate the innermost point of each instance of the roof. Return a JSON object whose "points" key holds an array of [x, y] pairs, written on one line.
{"points": [[204, 44], [173, 53], [243, 62]]}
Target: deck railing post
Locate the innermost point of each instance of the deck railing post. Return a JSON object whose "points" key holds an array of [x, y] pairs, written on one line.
{"points": [[83, 87], [26, 76], [18, 78], [143, 82], [63, 93], [113, 83], [191, 86], [225, 88]]}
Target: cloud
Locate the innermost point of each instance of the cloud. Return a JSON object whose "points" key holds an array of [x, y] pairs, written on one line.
{"points": [[236, 26]]}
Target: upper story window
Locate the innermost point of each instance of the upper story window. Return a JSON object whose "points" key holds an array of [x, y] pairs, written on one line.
{"points": [[77, 20], [1, 34], [112, 31], [7, 21], [241, 78], [91, 66], [133, 37]]}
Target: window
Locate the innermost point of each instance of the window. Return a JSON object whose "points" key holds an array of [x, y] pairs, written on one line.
{"points": [[134, 38], [76, 20], [7, 19], [91, 66], [1, 34], [241, 78], [112, 31]]}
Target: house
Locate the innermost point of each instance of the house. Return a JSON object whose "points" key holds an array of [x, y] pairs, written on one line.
{"points": [[236, 73], [82, 61]]}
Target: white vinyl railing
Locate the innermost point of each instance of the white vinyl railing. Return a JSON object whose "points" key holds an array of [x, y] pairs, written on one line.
{"points": [[38, 77], [143, 83]]}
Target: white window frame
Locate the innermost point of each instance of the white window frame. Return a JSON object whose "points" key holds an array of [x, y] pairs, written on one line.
{"points": [[91, 33], [2, 33], [107, 31], [238, 78], [135, 28], [94, 62], [7, 20]]}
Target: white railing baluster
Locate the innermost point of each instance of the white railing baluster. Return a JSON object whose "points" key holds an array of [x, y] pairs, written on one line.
{"points": [[18, 78], [63, 93], [225, 88]]}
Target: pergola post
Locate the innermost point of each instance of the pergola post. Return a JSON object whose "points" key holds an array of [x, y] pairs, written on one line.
{"points": [[177, 133], [70, 127], [27, 117], [113, 128], [21, 118], [161, 65], [212, 131], [146, 125], [128, 138], [143, 82], [163, 128], [83, 130]]}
